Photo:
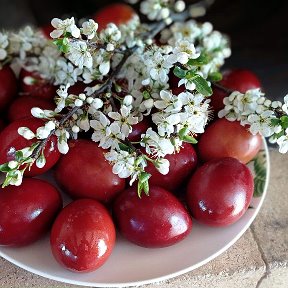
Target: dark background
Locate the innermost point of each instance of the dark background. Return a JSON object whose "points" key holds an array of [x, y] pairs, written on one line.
{"points": [[258, 30]]}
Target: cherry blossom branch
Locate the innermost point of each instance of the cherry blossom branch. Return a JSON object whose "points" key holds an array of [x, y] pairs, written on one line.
{"points": [[106, 86]]}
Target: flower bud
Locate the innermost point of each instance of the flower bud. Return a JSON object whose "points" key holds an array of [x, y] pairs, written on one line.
{"points": [[78, 102], [75, 129], [180, 6], [13, 164]]}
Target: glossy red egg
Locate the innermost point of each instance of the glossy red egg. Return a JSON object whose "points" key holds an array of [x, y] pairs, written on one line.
{"points": [[225, 138], [85, 173], [83, 236], [235, 79], [139, 129], [27, 211], [220, 191], [31, 83], [117, 13], [11, 141], [21, 107], [8, 86], [182, 165], [157, 220]]}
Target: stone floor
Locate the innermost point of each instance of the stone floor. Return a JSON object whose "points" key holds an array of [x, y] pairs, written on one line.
{"points": [[259, 259]]}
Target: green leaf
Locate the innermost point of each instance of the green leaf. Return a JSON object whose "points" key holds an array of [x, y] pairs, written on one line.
{"points": [[5, 168], [275, 121], [215, 77], [146, 95], [179, 72], [143, 187], [203, 59], [143, 184], [62, 44], [284, 122], [143, 177], [260, 174], [201, 85], [183, 132], [123, 147], [19, 156], [189, 139]]}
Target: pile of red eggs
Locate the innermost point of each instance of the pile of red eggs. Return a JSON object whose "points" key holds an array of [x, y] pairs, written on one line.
{"points": [[209, 182]]}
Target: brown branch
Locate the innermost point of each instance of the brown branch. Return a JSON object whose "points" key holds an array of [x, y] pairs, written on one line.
{"points": [[155, 28], [106, 86], [223, 88]]}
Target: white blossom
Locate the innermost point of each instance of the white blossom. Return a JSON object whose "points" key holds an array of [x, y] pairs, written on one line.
{"points": [[179, 6], [282, 141], [156, 145], [13, 164], [26, 40], [231, 111], [104, 67], [83, 121], [44, 131], [114, 137], [189, 31], [101, 129], [37, 112], [158, 66], [195, 115], [89, 28], [169, 102], [63, 26], [262, 123], [123, 163], [188, 83], [65, 72], [62, 92], [124, 119], [41, 161], [166, 123], [183, 51], [128, 100], [147, 106], [162, 165], [78, 102], [110, 47], [155, 9], [76, 129], [247, 103], [26, 133], [79, 54], [3, 45], [17, 178], [285, 105], [111, 34], [62, 137]]}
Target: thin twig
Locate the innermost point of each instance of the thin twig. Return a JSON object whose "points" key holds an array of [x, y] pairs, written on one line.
{"points": [[155, 28], [223, 88], [106, 86]]}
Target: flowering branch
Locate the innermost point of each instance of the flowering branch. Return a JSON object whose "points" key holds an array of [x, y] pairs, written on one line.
{"points": [[147, 78]]}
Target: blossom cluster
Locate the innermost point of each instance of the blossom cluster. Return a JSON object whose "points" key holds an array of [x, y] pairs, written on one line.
{"points": [[261, 115], [130, 75]]}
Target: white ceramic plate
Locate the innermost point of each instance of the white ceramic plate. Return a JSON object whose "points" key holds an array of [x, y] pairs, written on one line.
{"points": [[132, 265]]}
